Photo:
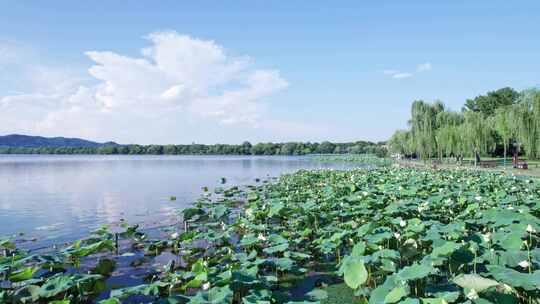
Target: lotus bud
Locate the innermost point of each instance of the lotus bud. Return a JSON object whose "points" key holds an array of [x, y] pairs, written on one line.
{"points": [[524, 264], [402, 223], [530, 229], [472, 295], [206, 286]]}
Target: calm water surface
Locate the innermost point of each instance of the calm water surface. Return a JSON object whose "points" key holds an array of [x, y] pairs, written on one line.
{"points": [[60, 198]]}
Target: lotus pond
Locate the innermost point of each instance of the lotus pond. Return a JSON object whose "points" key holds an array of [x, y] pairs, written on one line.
{"points": [[365, 159], [387, 235]]}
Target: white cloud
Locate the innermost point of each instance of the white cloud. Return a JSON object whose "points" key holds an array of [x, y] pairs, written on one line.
{"points": [[179, 86], [424, 67], [396, 74], [402, 75], [7, 54]]}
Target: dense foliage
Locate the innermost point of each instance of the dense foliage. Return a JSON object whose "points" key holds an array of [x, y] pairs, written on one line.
{"points": [[488, 124], [391, 235], [290, 148]]}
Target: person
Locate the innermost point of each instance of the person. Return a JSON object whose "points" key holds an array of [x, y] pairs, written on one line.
{"points": [[477, 158]]}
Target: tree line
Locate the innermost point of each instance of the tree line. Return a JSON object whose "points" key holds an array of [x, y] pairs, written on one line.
{"points": [[495, 124], [246, 148]]}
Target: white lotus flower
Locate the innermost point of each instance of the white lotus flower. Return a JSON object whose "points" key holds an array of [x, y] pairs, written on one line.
{"points": [[261, 237], [530, 229], [514, 188], [402, 223], [524, 264], [411, 242], [174, 235], [249, 212], [472, 295], [206, 286], [478, 198], [365, 193], [510, 208], [397, 235], [486, 237]]}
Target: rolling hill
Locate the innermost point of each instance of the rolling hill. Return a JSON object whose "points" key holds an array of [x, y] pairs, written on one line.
{"points": [[26, 141]]}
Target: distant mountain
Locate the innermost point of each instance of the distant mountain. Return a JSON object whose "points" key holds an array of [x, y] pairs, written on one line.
{"points": [[25, 141]]}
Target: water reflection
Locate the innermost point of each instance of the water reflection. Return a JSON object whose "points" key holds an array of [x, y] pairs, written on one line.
{"points": [[60, 198]]}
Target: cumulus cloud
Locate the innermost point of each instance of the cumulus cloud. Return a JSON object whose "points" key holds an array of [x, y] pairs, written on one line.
{"points": [[397, 74], [176, 81]]}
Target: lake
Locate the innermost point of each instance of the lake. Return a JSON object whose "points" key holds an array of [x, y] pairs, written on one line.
{"points": [[49, 199]]}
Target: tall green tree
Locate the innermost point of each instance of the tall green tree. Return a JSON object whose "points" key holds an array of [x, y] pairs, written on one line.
{"points": [[501, 122], [423, 126], [487, 104]]}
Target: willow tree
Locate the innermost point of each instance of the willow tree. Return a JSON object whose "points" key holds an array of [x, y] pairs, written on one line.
{"points": [[423, 127], [501, 122], [401, 142], [524, 121], [447, 133], [477, 133]]}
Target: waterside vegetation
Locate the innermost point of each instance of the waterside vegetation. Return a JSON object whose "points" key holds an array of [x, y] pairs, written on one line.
{"points": [[498, 123], [246, 148], [386, 235]]}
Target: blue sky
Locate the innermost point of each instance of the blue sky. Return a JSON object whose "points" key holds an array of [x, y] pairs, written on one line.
{"points": [[341, 71]]}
